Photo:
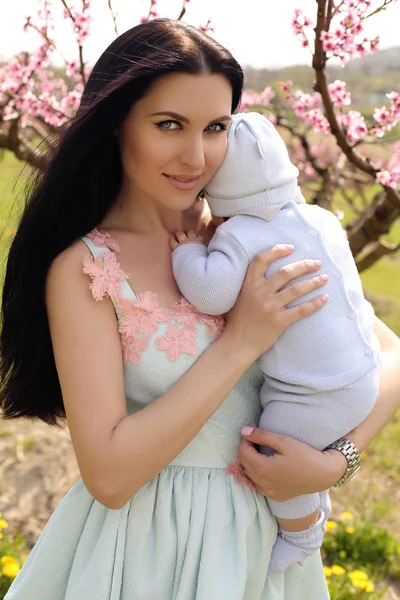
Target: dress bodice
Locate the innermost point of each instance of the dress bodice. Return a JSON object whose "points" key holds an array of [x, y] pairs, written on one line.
{"points": [[159, 345]]}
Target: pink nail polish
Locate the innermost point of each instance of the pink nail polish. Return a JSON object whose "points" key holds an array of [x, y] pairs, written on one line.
{"points": [[325, 277], [247, 430], [325, 298]]}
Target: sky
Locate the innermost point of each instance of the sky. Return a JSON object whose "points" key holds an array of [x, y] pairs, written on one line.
{"points": [[257, 32]]}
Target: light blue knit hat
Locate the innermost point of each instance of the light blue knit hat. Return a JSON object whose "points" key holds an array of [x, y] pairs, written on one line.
{"points": [[256, 171]]}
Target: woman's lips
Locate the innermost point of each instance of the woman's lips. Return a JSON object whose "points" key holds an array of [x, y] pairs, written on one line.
{"points": [[184, 183]]}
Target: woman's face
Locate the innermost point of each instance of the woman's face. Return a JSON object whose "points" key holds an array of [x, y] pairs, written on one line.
{"points": [[174, 139]]}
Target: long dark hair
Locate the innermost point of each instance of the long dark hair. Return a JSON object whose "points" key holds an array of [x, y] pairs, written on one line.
{"points": [[76, 191]]}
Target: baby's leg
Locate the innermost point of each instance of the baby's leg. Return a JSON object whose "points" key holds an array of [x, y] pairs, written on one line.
{"points": [[302, 520], [300, 537]]}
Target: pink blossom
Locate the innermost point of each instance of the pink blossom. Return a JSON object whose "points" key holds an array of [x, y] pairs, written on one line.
{"points": [[381, 114], [386, 179], [107, 276], [266, 96], [286, 85], [178, 341], [339, 96], [391, 176], [354, 126]]}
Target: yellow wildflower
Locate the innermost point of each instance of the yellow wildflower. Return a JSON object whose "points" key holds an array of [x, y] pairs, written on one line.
{"points": [[342, 554], [3, 524], [4, 560], [330, 526], [11, 569], [327, 571], [370, 587], [337, 570], [359, 579], [346, 516], [350, 529], [1, 536]]}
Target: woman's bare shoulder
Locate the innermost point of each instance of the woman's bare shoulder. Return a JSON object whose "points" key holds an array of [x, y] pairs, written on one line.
{"points": [[66, 275]]}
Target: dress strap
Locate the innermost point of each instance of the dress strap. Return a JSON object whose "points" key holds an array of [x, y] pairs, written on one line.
{"points": [[108, 279]]}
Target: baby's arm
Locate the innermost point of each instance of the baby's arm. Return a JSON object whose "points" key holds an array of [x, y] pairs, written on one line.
{"points": [[210, 278]]}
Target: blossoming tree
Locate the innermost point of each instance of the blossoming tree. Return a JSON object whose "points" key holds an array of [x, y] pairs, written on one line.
{"points": [[327, 140]]}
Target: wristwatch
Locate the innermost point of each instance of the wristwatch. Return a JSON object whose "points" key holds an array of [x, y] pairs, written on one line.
{"points": [[352, 456]]}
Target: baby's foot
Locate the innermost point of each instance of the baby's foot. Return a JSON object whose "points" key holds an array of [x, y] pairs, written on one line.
{"points": [[293, 547], [179, 238], [284, 554]]}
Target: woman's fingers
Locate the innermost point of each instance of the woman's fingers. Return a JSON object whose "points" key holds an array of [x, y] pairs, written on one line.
{"points": [[301, 288], [304, 310], [292, 271], [264, 259]]}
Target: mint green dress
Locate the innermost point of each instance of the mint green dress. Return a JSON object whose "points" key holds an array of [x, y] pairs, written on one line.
{"points": [[192, 532]]}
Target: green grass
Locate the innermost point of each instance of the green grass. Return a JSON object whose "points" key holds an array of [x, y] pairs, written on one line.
{"points": [[10, 204]]}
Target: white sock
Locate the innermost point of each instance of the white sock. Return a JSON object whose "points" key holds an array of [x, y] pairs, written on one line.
{"points": [[293, 547]]}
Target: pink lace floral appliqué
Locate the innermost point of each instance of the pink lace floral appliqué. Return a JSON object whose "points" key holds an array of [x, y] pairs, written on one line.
{"points": [[140, 319], [236, 469], [103, 238], [186, 314], [107, 276], [177, 341]]}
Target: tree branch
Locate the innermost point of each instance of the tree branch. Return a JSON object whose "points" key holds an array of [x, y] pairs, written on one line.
{"points": [[10, 140], [377, 10], [80, 47], [282, 122], [183, 11], [114, 17], [378, 219], [374, 252]]}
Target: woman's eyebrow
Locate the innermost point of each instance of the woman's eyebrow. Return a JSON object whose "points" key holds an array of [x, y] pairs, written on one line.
{"points": [[184, 119]]}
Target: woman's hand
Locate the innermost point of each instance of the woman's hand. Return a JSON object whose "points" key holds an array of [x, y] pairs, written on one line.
{"points": [[293, 470], [260, 314]]}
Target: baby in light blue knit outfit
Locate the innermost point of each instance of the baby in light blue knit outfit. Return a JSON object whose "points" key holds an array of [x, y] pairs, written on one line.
{"points": [[321, 376]]}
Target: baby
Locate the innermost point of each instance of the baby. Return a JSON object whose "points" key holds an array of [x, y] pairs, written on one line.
{"points": [[321, 376]]}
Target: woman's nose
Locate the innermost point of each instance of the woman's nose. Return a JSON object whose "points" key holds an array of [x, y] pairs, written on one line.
{"points": [[193, 154]]}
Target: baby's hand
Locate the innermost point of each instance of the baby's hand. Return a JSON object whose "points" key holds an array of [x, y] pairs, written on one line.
{"points": [[179, 238]]}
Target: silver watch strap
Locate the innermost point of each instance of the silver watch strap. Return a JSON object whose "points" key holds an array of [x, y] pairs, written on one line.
{"points": [[350, 452]]}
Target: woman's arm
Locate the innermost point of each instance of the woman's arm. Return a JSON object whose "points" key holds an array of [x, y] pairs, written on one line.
{"points": [[118, 453], [296, 468], [388, 400]]}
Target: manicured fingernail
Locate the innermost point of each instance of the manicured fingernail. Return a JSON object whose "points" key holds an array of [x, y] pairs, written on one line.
{"points": [[317, 263], [325, 277], [289, 246], [325, 298], [247, 430]]}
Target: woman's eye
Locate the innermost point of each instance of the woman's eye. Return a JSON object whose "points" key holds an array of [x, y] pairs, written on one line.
{"points": [[220, 125], [167, 125]]}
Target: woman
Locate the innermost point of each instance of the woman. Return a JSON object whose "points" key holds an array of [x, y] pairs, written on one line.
{"points": [[155, 516]]}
